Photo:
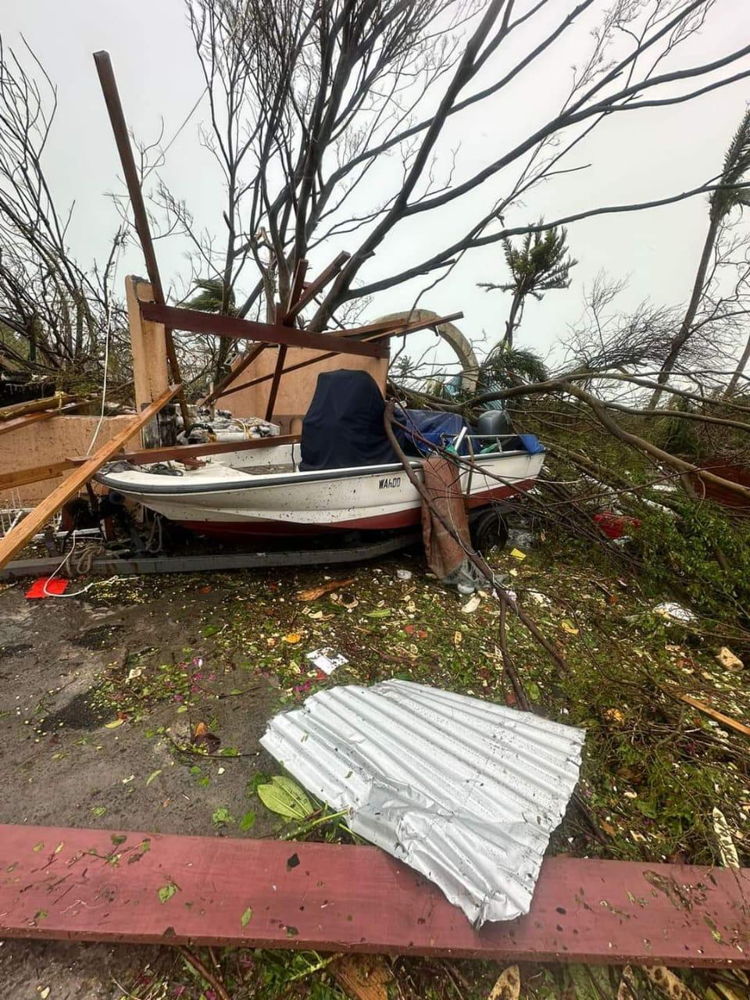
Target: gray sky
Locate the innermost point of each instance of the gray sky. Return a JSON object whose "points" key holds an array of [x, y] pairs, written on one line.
{"points": [[633, 157]]}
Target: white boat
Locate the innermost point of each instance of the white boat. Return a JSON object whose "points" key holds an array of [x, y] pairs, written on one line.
{"points": [[264, 492]]}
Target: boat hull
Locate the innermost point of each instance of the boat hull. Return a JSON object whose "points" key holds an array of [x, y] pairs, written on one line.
{"points": [[376, 498]]}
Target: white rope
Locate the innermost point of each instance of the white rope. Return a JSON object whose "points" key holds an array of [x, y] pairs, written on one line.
{"points": [[94, 583]]}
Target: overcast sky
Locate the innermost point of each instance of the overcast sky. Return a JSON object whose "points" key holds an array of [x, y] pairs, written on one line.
{"points": [[633, 157]]}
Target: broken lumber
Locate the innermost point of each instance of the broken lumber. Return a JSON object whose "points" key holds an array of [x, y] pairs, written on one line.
{"points": [[725, 720], [35, 405], [106, 885], [25, 530]]}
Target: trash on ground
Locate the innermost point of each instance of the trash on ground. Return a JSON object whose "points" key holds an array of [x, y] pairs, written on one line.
{"points": [[47, 586], [727, 848], [404, 574], [675, 611], [541, 599], [326, 660], [313, 593], [727, 659], [517, 554], [471, 605], [615, 526], [205, 739], [465, 791], [520, 539]]}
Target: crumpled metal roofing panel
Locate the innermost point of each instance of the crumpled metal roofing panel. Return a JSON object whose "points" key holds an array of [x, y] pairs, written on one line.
{"points": [[465, 791]]}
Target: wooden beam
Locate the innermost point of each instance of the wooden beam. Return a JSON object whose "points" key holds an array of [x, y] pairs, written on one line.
{"points": [[725, 720], [145, 888], [390, 329], [298, 284], [35, 474], [276, 379], [193, 451], [20, 422], [233, 374], [193, 321], [25, 530], [35, 405], [315, 286], [140, 216]]}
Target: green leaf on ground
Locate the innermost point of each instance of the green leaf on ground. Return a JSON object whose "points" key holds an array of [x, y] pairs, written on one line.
{"points": [[167, 891], [285, 798], [247, 916]]}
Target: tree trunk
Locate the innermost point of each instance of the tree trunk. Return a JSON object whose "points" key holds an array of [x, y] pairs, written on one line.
{"points": [[739, 369], [686, 328], [511, 324]]}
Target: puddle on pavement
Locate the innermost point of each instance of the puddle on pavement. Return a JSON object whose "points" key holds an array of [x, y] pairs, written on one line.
{"points": [[81, 712]]}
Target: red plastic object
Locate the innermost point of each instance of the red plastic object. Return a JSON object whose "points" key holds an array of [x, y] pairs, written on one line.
{"points": [[106, 885], [616, 525], [46, 586]]}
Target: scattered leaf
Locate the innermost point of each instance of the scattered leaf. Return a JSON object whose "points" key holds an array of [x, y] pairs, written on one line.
{"points": [[167, 891], [38, 847], [98, 810], [152, 777], [568, 627], [247, 821], [471, 605], [247, 916], [222, 816], [313, 593], [508, 985], [285, 798], [293, 638], [113, 724], [669, 984], [378, 613]]}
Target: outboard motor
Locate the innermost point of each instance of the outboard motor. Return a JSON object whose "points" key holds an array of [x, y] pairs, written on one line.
{"points": [[494, 422]]}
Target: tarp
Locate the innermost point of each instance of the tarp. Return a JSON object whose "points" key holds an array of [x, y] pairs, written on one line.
{"points": [[437, 428], [344, 426]]}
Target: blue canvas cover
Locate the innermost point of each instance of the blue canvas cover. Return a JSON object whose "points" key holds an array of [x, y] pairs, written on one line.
{"points": [[438, 428], [344, 426]]}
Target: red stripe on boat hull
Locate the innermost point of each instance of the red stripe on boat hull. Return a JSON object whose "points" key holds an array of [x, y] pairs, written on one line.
{"points": [[382, 522]]}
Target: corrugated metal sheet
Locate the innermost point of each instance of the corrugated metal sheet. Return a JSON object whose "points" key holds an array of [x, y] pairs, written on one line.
{"points": [[464, 791]]}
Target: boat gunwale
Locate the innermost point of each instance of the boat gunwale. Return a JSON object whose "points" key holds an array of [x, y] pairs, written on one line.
{"points": [[271, 479]]}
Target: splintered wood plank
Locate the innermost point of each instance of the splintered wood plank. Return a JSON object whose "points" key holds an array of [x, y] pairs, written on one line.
{"points": [[25, 530], [99, 885]]}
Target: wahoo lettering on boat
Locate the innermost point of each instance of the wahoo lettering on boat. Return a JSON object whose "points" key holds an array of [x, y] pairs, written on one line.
{"points": [[390, 482]]}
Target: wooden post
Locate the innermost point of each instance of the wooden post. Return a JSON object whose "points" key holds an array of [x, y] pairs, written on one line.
{"points": [[149, 347]]}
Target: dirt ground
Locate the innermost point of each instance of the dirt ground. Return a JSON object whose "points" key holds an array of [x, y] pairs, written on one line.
{"points": [[65, 767]]}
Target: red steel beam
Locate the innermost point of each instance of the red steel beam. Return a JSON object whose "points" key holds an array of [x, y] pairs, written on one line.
{"points": [[386, 332], [193, 321], [101, 885]]}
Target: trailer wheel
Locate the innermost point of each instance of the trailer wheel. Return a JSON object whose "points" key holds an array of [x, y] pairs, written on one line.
{"points": [[489, 530]]}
